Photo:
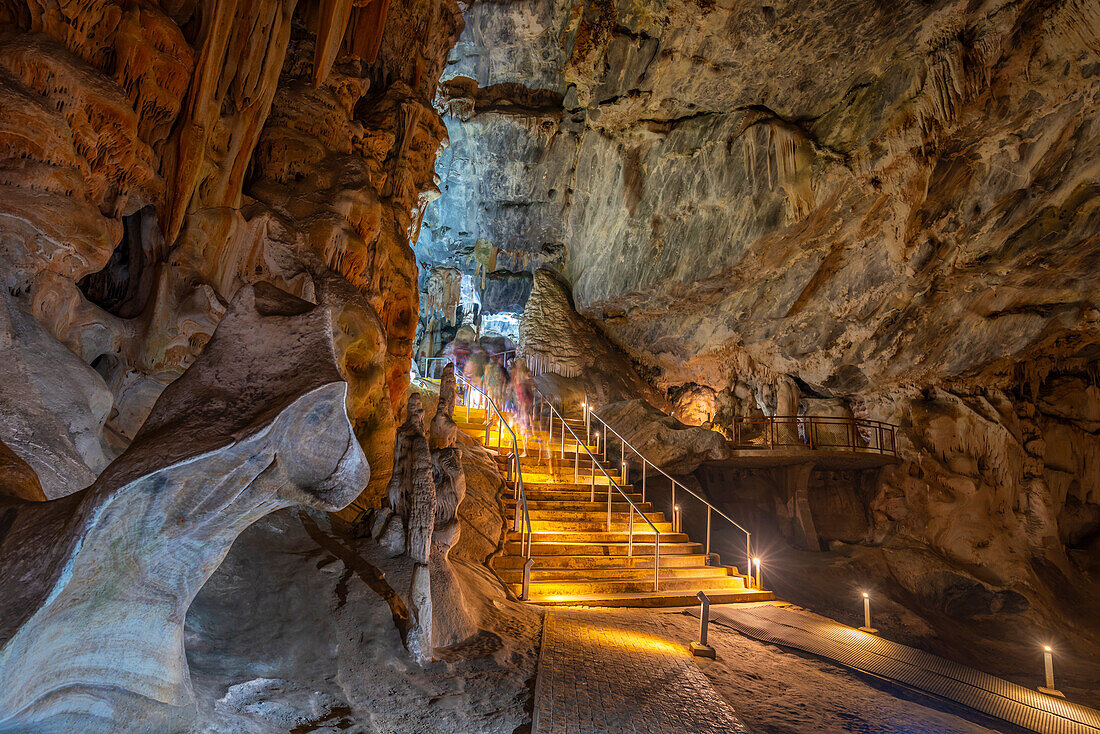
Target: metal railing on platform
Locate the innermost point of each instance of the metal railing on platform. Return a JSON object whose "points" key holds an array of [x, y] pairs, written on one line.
{"points": [[814, 432], [431, 366]]}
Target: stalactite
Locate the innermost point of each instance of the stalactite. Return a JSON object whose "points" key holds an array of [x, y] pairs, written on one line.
{"points": [[368, 23], [332, 22]]}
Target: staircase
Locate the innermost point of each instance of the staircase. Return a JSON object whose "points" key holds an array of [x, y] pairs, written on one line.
{"points": [[575, 559]]}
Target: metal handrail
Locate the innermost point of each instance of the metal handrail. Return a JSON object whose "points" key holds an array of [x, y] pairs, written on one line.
{"points": [[611, 483], [428, 360], [523, 527], [884, 434], [589, 413]]}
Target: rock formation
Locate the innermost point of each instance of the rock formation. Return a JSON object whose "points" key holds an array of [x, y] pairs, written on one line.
{"points": [[668, 443], [569, 354], [406, 524], [98, 582], [449, 479], [892, 208], [154, 158]]}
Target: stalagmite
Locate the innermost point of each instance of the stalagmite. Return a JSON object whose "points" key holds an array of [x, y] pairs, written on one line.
{"points": [[444, 431]]}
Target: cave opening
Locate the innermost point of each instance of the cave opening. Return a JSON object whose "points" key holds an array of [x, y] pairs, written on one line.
{"points": [[123, 286]]}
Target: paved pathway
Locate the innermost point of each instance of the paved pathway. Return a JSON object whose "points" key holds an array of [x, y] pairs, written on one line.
{"points": [[605, 671], [994, 696]]}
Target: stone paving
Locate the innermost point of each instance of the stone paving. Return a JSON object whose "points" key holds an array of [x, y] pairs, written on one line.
{"points": [[607, 671]]}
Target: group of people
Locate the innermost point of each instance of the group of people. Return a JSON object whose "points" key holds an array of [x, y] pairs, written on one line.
{"points": [[505, 379]]}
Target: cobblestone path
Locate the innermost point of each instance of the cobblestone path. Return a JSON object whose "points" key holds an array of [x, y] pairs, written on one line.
{"points": [[603, 672]]}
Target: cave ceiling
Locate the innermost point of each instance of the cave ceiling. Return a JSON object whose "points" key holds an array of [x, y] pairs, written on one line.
{"points": [[865, 195]]}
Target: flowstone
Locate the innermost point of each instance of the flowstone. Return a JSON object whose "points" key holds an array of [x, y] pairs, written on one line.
{"points": [[97, 583]]}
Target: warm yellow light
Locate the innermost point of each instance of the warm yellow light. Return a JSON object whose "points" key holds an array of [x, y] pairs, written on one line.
{"points": [[677, 508], [756, 561], [865, 595], [1047, 648]]}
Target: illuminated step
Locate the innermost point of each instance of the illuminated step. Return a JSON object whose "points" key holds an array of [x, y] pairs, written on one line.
{"points": [[668, 560], [617, 535], [596, 513], [626, 586], [515, 575], [583, 505], [642, 547], [673, 598]]}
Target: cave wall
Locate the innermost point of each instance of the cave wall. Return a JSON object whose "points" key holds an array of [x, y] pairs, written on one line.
{"points": [[888, 206], [156, 156]]}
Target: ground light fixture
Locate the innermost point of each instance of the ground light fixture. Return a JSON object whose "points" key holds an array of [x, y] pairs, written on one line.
{"points": [[1048, 664], [756, 562], [867, 614], [701, 649], [676, 519]]}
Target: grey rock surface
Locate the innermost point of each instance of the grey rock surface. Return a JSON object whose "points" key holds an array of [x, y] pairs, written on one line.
{"points": [[98, 582]]}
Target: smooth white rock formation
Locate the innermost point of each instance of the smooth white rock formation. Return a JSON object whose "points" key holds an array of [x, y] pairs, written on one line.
{"points": [[97, 584]]}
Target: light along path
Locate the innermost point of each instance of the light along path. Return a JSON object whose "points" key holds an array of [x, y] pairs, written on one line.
{"points": [[601, 671], [914, 668]]}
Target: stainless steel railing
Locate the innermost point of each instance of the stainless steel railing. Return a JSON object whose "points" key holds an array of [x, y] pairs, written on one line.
{"points": [[554, 413], [609, 431], [827, 433], [430, 364]]}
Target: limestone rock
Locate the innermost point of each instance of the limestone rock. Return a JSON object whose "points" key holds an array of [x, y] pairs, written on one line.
{"points": [[52, 406], [92, 635], [675, 447], [444, 430], [571, 355]]}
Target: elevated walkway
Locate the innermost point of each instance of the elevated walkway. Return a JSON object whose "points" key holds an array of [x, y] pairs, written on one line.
{"points": [[908, 666], [827, 442]]}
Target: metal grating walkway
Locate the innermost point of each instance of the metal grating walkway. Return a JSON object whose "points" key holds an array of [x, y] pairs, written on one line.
{"points": [[870, 654]]}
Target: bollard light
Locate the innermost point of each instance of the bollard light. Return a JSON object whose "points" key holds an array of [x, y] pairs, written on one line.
{"points": [[756, 562], [701, 648], [676, 519], [867, 614], [1048, 664]]}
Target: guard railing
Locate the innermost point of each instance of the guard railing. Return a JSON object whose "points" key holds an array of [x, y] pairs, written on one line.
{"points": [[554, 416], [813, 431], [677, 517]]}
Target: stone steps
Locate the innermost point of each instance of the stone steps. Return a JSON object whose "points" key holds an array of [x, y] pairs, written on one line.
{"points": [[668, 560], [642, 547], [576, 559], [515, 575]]}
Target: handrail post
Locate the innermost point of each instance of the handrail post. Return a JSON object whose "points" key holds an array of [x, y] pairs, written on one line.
{"points": [[593, 479], [656, 561], [708, 533], [576, 464], [643, 479], [587, 419], [563, 438], [609, 506], [630, 542], [626, 470], [748, 553], [527, 577]]}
